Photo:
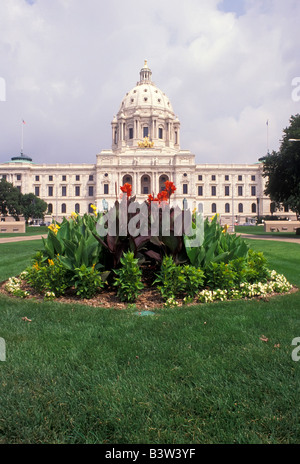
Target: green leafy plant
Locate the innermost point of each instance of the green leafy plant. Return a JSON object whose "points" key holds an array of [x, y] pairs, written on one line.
{"points": [[128, 280], [50, 277], [220, 275], [171, 279], [87, 281]]}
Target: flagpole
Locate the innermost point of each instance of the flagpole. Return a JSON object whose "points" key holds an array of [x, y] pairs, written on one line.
{"points": [[22, 138], [267, 137]]}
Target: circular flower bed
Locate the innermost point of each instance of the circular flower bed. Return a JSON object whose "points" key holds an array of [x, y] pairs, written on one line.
{"points": [[100, 259]]}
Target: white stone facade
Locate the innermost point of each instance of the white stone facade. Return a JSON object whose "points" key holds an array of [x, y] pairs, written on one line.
{"points": [[234, 191]]}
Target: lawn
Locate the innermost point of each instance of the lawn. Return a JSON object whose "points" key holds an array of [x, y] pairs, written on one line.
{"points": [[259, 230], [215, 373], [30, 231]]}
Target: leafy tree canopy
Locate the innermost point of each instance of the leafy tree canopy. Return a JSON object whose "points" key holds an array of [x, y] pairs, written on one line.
{"points": [[10, 199], [282, 168], [12, 202]]}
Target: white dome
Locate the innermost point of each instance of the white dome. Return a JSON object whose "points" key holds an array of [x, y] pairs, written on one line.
{"points": [[145, 111], [146, 96]]}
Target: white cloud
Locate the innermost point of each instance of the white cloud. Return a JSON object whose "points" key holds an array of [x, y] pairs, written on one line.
{"points": [[67, 64]]}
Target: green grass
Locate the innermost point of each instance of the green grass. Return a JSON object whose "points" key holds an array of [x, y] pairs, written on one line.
{"points": [[30, 231], [14, 257], [78, 374], [259, 230]]}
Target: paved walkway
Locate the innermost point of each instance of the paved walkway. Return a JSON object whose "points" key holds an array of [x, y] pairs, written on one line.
{"points": [[272, 237], [21, 239]]}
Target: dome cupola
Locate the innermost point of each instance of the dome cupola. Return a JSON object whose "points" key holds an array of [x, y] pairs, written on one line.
{"points": [[145, 113]]}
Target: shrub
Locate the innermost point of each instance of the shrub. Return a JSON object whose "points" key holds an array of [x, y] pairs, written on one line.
{"points": [[175, 279], [220, 275], [50, 277], [128, 280], [87, 281]]}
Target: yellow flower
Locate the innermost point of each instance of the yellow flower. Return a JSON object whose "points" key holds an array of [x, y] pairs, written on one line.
{"points": [[36, 266], [225, 228], [74, 215], [54, 228], [50, 262]]}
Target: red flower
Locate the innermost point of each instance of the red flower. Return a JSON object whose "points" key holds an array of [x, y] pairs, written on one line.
{"points": [[170, 187], [127, 188], [163, 196]]}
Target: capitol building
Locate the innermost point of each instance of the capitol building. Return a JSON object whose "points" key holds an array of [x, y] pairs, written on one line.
{"points": [[145, 152]]}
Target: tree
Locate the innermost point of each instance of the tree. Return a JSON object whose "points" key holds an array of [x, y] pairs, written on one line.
{"points": [[10, 199], [282, 169], [33, 206]]}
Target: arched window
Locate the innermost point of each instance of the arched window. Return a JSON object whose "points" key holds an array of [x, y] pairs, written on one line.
{"points": [[63, 208], [160, 133], [145, 131], [77, 208], [163, 178], [213, 208], [127, 179], [253, 207], [241, 208], [227, 208], [91, 211], [50, 208]]}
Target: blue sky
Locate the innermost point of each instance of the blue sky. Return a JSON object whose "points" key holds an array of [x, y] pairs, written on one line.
{"points": [[227, 67], [232, 6]]}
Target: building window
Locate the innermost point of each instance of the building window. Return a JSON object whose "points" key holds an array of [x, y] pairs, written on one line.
{"points": [[241, 208], [50, 191], [37, 191], [253, 178], [77, 191], [145, 190], [19, 177], [286, 208], [200, 177], [226, 190], [77, 177], [227, 208], [253, 190], [105, 189], [226, 177], [240, 190], [176, 138], [51, 178], [160, 133], [64, 178], [91, 177], [145, 131], [91, 191], [240, 178], [213, 177], [253, 207], [214, 208], [213, 191], [185, 189], [200, 190], [63, 208], [37, 178], [64, 191], [77, 208], [130, 132], [50, 208]]}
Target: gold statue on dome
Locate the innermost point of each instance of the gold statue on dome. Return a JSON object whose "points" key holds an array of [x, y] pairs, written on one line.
{"points": [[146, 143]]}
